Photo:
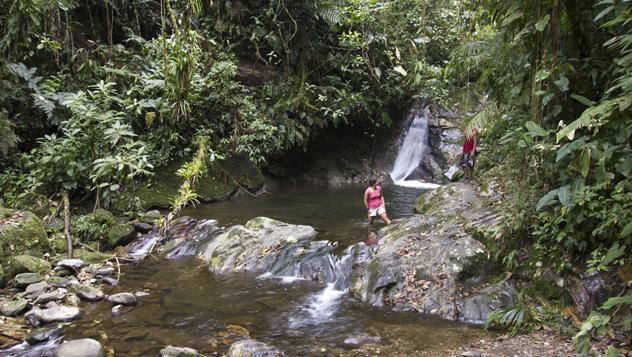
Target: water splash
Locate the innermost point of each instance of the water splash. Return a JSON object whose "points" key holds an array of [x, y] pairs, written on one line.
{"points": [[412, 152], [320, 308]]}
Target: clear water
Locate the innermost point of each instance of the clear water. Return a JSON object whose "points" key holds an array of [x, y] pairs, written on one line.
{"points": [[188, 306]]}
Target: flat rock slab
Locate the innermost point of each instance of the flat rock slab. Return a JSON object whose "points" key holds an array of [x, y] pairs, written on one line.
{"points": [[74, 264], [252, 348], [45, 298], [58, 281], [123, 299], [42, 335], [34, 290], [87, 293], [52, 314], [85, 347], [25, 279], [361, 339], [171, 351], [13, 307]]}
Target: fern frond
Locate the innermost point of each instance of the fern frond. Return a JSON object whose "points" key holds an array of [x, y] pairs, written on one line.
{"points": [[330, 15], [483, 119]]}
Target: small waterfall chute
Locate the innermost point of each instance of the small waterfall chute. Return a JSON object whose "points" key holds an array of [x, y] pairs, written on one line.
{"points": [[412, 152]]}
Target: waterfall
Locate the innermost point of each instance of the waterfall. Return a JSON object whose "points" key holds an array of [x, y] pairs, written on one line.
{"points": [[412, 152]]}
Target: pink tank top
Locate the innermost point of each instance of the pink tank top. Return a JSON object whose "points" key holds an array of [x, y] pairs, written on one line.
{"points": [[375, 197]]}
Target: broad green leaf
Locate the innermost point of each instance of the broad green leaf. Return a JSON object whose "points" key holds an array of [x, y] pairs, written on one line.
{"points": [[565, 196], [627, 230], [612, 352], [614, 301], [535, 129], [400, 70], [542, 75], [541, 24], [615, 252], [604, 12], [584, 161], [547, 199], [562, 83], [580, 98], [511, 18]]}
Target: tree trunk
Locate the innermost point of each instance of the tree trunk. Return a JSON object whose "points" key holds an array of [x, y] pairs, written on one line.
{"points": [[67, 225]]}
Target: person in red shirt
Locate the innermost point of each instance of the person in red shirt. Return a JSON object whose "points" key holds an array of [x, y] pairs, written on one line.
{"points": [[374, 202], [468, 156]]}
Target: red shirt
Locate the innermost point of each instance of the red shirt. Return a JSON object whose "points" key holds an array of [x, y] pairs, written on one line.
{"points": [[375, 197], [469, 142]]}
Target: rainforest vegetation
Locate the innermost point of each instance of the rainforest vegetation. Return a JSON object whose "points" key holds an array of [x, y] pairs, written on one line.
{"points": [[97, 96]]}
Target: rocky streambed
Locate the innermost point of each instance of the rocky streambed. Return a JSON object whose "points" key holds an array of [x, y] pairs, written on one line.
{"points": [[426, 264]]}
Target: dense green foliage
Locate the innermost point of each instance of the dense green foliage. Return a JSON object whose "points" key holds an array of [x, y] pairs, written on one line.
{"points": [[254, 78]]}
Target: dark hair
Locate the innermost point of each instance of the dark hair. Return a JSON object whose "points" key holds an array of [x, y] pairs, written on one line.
{"points": [[372, 182]]}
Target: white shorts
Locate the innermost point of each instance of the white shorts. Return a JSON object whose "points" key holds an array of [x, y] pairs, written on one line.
{"points": [[374, 212]]}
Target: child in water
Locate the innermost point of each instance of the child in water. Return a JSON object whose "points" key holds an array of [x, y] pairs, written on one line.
{"points": [[374, 202]]}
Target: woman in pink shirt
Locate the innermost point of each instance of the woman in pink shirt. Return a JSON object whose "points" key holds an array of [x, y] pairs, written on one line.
{"points": [[374, 202]]}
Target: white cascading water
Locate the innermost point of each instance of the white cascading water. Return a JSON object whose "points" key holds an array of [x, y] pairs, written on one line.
{"points": [[412, 152]]}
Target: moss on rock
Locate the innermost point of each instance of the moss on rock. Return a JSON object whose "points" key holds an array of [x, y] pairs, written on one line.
{"points": [[21, 233], [29, 264], [217, 184]]}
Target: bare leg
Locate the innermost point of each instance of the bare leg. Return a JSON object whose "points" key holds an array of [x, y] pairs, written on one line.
{"points": [[384, 217], [370, 220]]}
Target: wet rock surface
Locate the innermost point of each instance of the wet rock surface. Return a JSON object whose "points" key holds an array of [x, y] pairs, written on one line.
{"points": [[123, 299], [37, 316], [84, 347], [252, 348], [13, 307], [23, 280], [171, 351], [87, 292], [420, 263]]}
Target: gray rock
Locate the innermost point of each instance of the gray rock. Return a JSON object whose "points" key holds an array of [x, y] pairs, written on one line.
{"points": [[109, 281], [25, 279], [62, 272], [259, 246], [252, 348], [72, 300], [85, 347], [34, 290], [477, 308], [471, 354], [55, 295], [42, 335], [171, 351], [119, 310], [104, 271], [13, 307], [73, 264], [38, 316], [58, 281], [123, 299], [362, 339], [87, 293]]}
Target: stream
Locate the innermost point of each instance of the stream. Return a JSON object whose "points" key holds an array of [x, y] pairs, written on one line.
{"points": [[188, 306]]}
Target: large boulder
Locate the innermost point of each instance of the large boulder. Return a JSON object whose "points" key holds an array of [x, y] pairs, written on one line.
{"points": [[429, 263], [13, 307], [85, 347], [21, 233], [37, 317], [171, 351], [268, 245], [29, 264], [252, 348]]}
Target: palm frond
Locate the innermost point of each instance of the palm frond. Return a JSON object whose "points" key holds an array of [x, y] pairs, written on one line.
{"points": [[331, 15], [486, 117]]}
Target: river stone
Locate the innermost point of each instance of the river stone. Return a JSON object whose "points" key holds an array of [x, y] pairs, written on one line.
{"points": [[38, 316], [29, 264], [72, 300], [87, 293], [55, 295], [252, 348], [361, 339], [471, 354], [119, 310], [13, 307], [422, 261], [171, 351], [42, 335], [104, 271], [256, 247], [477, 308], [122, 299], [58, 281], [109, 281], [74, 264], [35, 289], [25, 279], [85, 347]]}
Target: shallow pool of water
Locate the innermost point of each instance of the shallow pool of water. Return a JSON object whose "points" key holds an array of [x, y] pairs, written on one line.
{"points": [[188, 306]]}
